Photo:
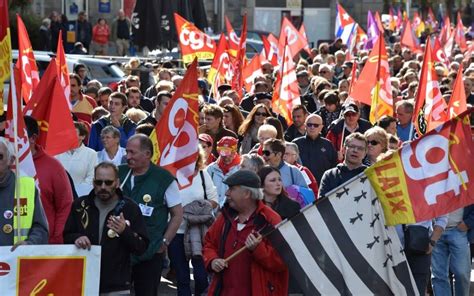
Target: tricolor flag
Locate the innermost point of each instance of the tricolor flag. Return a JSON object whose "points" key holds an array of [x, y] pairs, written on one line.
{"points": [[340, 246], [428, 177], [192, 41], [430, 107], [26, 64], [5, 48], [288, 91], [373, 85], [345, 24], [175, 137]]}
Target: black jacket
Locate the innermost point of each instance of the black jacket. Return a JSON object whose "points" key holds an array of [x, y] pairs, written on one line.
{"points": [[292, 133], [285, 207], [337, 176], [115, 266], [317, 155]]}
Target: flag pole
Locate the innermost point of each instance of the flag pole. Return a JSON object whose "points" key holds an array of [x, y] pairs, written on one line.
{"points": [[15, 139]]}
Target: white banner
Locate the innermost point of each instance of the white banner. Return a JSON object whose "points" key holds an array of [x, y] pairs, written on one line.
{"points": [[49, 270]]}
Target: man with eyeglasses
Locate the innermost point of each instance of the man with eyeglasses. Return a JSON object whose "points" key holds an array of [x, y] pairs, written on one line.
{"points": [[316, 153], [106, 218], [355, 149]]}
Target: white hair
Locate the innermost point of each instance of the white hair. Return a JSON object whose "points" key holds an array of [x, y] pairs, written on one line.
{"points": [[255, 193], [9, 147]]}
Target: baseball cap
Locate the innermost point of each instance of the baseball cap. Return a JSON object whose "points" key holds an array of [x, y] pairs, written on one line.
{"points": [[351, 107], [226, 146], [243, 177]]}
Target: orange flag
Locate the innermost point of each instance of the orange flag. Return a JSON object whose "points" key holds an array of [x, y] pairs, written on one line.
{"points": [[175, 137], [239, 62], [408, 38], [373, 85], [234, 40], [5, 48], [26, 63], [192, 41], [289, 94], [458, 101], [63, 72], [50, 108], [430, 107], [250, 71], [295, 40], [459, 36]]}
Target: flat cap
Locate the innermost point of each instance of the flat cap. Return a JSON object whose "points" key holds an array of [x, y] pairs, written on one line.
{"points": [[243, 177]]}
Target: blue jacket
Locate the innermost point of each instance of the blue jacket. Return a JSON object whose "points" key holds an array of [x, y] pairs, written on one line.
{"points": [[127, 129]]}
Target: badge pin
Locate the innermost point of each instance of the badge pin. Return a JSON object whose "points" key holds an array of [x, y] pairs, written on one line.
{"points": [[147, 198], [127, 222], [8, 214], [7, 228], [111, 233]]}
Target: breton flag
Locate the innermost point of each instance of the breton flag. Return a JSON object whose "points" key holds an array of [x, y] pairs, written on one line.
{"points": [[429, 177], [340, 246], [345, 24]]}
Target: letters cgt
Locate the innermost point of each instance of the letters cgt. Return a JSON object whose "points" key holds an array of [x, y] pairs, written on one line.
{"points": [[429, 177]]}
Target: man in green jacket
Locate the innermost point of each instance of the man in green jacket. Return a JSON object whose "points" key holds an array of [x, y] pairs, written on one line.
{"points": [[156, 192]]}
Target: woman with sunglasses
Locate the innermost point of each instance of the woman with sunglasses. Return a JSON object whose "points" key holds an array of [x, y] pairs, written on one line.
{"points": [[249, 129], [377, 139]]}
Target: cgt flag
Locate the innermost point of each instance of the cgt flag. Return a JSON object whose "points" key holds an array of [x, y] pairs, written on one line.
{"points": [[5, 48], [175, 138], [340, 246], [193, 42], [428, 177]]}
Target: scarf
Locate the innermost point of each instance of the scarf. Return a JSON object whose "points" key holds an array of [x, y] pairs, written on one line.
{"points": [[227, 167]]}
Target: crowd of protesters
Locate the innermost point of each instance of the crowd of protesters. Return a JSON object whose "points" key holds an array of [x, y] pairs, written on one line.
{"points": [[250, 170]]}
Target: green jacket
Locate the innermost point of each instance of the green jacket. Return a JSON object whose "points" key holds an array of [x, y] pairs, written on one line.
{"points": [[154, 183]]}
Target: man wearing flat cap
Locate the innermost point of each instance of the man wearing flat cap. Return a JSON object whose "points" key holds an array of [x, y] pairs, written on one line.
{"points": [[258, 270]]}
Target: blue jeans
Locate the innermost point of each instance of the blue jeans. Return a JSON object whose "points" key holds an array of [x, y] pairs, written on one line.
{"points": [[181, 265], [451, 253]]}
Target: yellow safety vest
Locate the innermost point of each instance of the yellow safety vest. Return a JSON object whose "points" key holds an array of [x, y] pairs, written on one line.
{"points": [[27, 193]]}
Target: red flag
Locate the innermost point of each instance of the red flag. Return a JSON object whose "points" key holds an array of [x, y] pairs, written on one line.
{"points": [[175, 137], [250, 71], [438, 53], [234, 40], [288, 33], [26, 63], [303, 33], [5, 48], [429, 177], [63, 72], [272, 50], [239, 62], [289, 94], [430, 107], [192, 41], [373, 86], [408, 38], [459, 36], [50, 108], [26, 166], [220, 69], [458, 101]]}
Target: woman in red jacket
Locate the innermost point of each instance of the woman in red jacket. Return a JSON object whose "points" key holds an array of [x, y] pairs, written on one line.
{"points": [[100, 38], [258, 270]]}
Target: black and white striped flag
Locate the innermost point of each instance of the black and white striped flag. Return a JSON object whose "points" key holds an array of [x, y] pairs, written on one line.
{"points": [[342, 247]]}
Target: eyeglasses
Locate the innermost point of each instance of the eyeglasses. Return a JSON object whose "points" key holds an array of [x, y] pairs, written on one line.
{"points": [[357, 148], [100, 182], [315, 125], [261, 114], [373, 142], [267, 152]]}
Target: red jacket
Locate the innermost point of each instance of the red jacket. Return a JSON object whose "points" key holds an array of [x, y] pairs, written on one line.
{"points": [[269, 274], [56, 193]]}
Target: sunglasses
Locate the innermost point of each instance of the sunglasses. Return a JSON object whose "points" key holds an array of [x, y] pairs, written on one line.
{"points": [[315, 125], [1, 156], [373, 143], [261, 114], [100, 182], [323, 72], [350, 114], [267, 152]]}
